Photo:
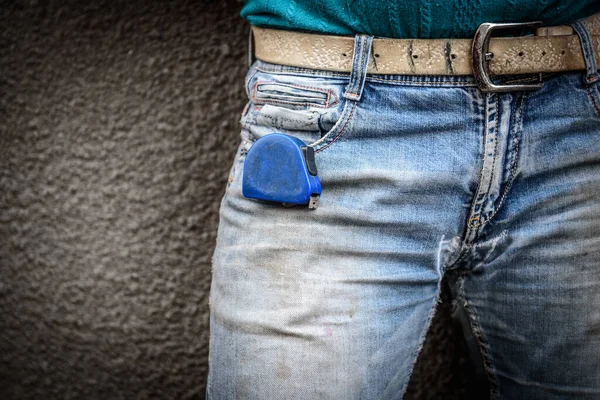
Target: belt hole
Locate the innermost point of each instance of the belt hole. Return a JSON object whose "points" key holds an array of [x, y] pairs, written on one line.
{"points": [[376, 55], [415, 56], [562, 52], [543, 53], [453, 56], [521, 54], [345, 55]]}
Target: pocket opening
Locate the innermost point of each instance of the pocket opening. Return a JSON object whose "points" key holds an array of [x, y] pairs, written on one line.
{"points": [[268, 92]]}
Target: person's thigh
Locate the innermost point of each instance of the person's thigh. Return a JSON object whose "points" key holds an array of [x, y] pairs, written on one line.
{"points": [[533, 284], [334, 303]]}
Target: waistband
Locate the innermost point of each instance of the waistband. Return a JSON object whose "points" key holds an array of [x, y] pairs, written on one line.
{"points": [[546, 50]]}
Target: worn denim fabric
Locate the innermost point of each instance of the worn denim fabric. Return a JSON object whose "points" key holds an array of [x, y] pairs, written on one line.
{"points": [[423, 176]]}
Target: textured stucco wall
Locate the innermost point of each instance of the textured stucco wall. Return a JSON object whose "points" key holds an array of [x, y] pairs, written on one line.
{"points": [[118, 121]]}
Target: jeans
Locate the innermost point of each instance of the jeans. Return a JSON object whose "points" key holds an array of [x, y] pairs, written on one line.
{"points": [[423, 177]]}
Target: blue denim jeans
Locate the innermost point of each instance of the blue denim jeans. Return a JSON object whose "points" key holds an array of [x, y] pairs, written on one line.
{"points": [[423, 177]]}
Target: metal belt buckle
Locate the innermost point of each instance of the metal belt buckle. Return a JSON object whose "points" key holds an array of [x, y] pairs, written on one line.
{"points": [[481, 57]]}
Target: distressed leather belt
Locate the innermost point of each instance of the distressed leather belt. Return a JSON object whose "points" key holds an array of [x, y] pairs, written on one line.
{"points": [[549, 49]]}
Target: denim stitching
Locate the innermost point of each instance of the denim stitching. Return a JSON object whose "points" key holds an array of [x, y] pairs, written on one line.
{"points": [[357, 48], [423, 337], [514, 166], [328, 92], [590, 94], [361, 65], [364, 66], [353, 92], [357, 76], [390, 79], [481, 341], [350, 89], [339, 134], [360, 62], [393, 79], [497, 129], [312, 88], [587, 49], [301, 71], [477, 216], [590, 59], [293, 103]]}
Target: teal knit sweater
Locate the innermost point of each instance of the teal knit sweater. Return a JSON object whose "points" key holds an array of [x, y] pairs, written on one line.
{"points": [[409, 18]]}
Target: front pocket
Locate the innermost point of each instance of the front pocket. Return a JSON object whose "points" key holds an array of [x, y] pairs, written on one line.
{"points": [[310, 108], [265, 92], [317, 128]]}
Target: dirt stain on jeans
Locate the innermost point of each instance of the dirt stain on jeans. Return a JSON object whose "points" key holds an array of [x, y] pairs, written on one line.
{"points": [[283, 371]]}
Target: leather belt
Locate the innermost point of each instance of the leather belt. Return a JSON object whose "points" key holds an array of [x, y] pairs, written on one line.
{"points": [[550, 49]]}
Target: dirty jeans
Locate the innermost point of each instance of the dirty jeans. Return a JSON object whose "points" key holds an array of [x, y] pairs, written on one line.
{"points": [[423, 177]]}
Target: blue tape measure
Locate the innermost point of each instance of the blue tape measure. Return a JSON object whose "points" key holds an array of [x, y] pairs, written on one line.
{"points": [[281, 168]]}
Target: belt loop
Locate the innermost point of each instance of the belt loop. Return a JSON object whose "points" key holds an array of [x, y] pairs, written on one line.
{"points": [[591, 70], [360, 62]]}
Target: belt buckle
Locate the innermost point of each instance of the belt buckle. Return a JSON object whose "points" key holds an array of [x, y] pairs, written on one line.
{"points": [[480, 57]]}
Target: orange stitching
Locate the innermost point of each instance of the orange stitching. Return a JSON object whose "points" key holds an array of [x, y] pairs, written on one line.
{"points": [[496, 136], [335, 97], [482, 341], [360, 74], [476, 217], [299, 70], [327, 92], [288, 102], [483, 157], [371, 78], [340, 132], [587, 87], [316, 89], [514, 167]]}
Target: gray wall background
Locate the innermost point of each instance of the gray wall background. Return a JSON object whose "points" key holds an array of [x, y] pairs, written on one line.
{"points": [[118, 122]]}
